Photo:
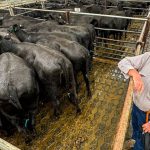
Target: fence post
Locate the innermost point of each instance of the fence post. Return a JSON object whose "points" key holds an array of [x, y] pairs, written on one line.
{"points": [[67, 17], [11, 11]]}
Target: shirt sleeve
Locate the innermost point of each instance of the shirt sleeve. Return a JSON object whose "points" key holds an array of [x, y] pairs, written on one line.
{"points": [[136, 62]]}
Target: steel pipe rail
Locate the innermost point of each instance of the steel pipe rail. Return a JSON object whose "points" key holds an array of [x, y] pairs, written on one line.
{"points": [[106, 29], [111, 16], [23, 13], [44, 10], [121, 41], [82, 13], [113, 54], [108, 57], [134, 8], [97, 43], [117, 50]]}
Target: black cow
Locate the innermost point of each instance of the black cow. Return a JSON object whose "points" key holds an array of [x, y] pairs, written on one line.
{"points": [[140, 5], [117, 23], [84, 34], [23, 20], [87, 21], [54, 70], [4, 33], [76, 53], [18, 93]]}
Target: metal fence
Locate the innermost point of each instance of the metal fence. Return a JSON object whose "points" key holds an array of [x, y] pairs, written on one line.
{"points": [[113, 49]]}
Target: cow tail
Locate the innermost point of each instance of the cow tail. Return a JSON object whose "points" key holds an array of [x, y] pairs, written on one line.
{"points": [[13, 96], [66, 74]]}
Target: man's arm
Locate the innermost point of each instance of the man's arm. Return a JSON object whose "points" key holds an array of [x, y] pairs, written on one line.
{"points": [[138, 83], [135, 62]]}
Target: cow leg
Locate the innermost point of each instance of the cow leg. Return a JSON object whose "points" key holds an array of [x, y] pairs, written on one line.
{"points": [[29, 123], [14, 121], [54, 92], [86, 79], [72, 91], [77, 84], [73, 100], [120, 35], [106, 35], [56, 105]]}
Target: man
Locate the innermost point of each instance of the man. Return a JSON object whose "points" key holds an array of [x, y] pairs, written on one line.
{"points": [[138, 67]]}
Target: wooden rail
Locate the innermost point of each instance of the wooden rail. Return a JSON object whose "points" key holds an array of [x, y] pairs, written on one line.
{"points": [[7, 146]]}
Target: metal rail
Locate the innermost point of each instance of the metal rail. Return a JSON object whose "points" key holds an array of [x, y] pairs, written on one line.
{"points": [[97, 43], [44, 10], [106, 29], [133, 8], [121, 41], [111, 16], [82, 13], [117, 50]]}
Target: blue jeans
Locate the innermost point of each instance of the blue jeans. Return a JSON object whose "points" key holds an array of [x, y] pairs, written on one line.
{"points": [[138, 119]]}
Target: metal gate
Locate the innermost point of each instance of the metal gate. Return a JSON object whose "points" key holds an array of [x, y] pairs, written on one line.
{"points": [[115, 49]]}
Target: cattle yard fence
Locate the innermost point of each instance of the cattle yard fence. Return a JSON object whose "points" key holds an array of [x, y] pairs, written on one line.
{"points": [[140, 45], [111, 46]]}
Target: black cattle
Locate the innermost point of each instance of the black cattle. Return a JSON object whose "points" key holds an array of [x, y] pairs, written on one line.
{"points": [[76, 53], [84, 34], [23, 20], [117, 23], [54, 70], [63, 35], [54, 19], [93, 8], [57, 1], [87, 21], [133, 4], [18, 93], [4, 33]]}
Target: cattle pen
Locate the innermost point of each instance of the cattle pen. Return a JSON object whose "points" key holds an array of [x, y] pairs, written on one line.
{"points": [[105, 117]]}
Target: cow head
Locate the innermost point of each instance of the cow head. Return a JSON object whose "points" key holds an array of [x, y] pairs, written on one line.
{"points": [[58, 18], [7, 37], [15, 28]]}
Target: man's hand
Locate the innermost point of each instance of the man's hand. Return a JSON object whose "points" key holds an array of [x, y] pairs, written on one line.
{"points": [[146, 127], [138, 83]]}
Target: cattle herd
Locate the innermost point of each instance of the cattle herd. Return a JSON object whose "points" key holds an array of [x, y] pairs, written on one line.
{"points": [[41, 59]]}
